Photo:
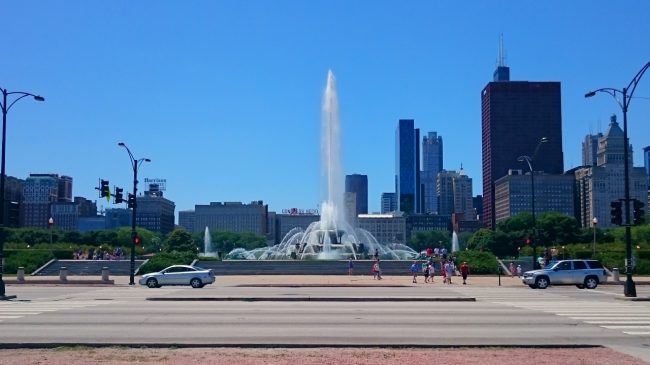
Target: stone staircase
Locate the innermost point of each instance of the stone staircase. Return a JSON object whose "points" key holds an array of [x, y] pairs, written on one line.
{"points": [[88, 267]]}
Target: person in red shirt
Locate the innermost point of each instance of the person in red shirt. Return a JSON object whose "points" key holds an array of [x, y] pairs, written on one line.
{"points": [[464, 271]]}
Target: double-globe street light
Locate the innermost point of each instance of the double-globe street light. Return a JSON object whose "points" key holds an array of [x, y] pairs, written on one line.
{"points": [[530, 161], [626, 94], [135, 163], [16, 95], [594, 223]]}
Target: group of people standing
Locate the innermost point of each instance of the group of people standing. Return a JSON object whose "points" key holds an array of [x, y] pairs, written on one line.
{"points": [[447, 270]]}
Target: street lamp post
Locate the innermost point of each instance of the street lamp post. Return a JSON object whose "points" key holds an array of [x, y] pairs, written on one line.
{"points": [[594, 222], [50, 224], [135, 163], [626, 93], [16, 95], [530, 161]]}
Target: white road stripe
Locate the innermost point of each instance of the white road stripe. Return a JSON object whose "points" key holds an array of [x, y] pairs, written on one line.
{"points": [[619, 322], [627, 327], [9, 317], [637, 333], [579, 318]]}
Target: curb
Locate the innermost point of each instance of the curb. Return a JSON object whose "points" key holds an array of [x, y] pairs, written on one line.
{"points": [[57, 282], [312, 299], [54, 345]]}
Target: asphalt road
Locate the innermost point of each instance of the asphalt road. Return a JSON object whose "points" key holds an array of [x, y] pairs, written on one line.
{"points": [[507, 315]]}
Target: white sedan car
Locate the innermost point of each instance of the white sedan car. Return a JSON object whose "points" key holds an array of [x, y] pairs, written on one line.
{"points": [[194, 276]]}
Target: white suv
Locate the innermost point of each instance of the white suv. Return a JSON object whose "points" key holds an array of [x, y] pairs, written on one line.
{"points": [[581, 273]]}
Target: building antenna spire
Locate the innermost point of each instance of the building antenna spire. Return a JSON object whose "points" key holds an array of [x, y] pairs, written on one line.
{"points": [[501, 61]]}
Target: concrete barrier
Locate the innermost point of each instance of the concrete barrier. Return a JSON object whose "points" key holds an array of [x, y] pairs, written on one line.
{"points": [[105, 274], [63, 274], [20, 274]]}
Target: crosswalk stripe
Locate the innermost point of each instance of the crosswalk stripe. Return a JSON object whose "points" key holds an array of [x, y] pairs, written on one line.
{"points": [[9, 317], [627, 327], [635, 333]]}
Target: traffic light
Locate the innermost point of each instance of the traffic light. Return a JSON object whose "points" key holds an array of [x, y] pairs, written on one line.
{"points": [[119, 196], [529, 241], [137, 240], [639, 213], [104, 189], [617, 212], [131, 202]]}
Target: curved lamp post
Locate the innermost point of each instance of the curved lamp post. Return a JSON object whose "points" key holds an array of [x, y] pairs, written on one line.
{"points": [[135, 163], [16, 95], [594, 223], [624, 103], [530, 161]]}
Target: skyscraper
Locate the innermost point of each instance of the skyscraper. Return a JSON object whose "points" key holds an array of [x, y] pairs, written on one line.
{"points": [[388, 202], [358, 184], [407, 167], [431, 166], [40, 191], [455, 192], [646, 162], [598, 186], [516, 115], [590, 149]]}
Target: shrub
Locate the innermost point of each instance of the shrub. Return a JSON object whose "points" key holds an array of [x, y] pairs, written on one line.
{"points": [[29, 259], [165, 259], [479, 262]]}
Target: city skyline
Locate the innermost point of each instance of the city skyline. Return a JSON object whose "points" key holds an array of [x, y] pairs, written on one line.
{"points": [[225, 98]]}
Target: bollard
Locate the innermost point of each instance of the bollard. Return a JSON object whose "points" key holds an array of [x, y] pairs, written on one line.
{"points": [[63, 274], [615, 274], [105, 274], [20, 274]]}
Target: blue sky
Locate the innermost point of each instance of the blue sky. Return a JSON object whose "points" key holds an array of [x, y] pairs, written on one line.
{"points": [[224, 96]]}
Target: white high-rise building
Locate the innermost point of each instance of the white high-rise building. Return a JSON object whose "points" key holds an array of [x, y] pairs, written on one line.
{"points": [[602, 184]]}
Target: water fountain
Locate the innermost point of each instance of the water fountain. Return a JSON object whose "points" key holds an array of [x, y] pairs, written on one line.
{"points": [[332, 237], [207, 243], [455, 247]]}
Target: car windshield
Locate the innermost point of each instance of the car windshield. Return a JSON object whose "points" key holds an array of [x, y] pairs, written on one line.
{"points": [[550, 265]]}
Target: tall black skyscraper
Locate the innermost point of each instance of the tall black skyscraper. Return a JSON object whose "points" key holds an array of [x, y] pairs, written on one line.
{"points": [[407, 168], [515, 116], [358, 184]]}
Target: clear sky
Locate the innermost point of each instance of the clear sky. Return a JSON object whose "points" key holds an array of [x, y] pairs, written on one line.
{"points": [[224, 96]]}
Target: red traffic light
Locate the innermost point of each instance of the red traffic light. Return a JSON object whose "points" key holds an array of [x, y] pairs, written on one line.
{"points": [[137, 240], [528, 241]]}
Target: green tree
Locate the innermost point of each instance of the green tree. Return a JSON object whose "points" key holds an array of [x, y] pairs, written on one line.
{"points": [[180, 240], [555, 228], [423, 240]]}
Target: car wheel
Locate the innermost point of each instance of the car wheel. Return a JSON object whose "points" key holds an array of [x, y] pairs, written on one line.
{"points": [[591, 282], [542, 282], [532, 286], [580, 286], [196, 283], [152, 283]]}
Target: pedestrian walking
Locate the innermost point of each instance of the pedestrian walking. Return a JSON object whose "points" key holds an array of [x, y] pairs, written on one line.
{"points": [[375, 270], [425, 271], [519, 271], [378, 270], [414, 271], [512, 269], [350, 267], [432, 272], [450, 271], [464, 271]]}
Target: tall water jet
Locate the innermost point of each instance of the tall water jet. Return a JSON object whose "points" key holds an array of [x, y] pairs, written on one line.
{"points": [[331, 171], [207, 243], [454, 242]]}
